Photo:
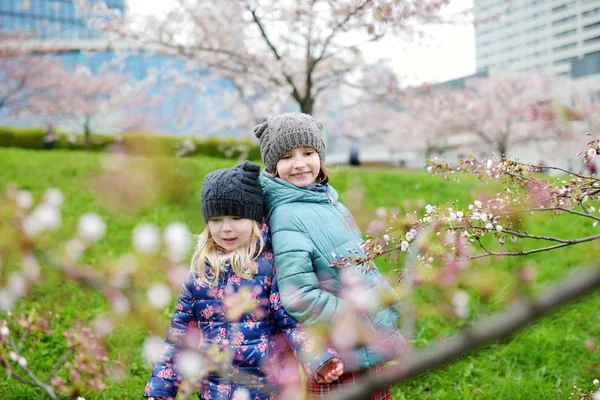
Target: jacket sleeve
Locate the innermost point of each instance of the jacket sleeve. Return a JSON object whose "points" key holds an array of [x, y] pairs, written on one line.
{"points": [[302, 343], [164, 381], [301, 295]]}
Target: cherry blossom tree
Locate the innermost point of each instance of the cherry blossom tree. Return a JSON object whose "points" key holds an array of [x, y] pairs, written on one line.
{"points": [[109, 100], [298, 48], [27, 76], [498, 110]]}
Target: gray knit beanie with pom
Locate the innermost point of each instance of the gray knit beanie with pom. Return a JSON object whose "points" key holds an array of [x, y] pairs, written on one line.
{"points": [[281, 133]]}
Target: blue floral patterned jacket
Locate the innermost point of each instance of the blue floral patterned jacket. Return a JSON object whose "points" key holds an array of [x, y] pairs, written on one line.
{"points": [[254, 339]]}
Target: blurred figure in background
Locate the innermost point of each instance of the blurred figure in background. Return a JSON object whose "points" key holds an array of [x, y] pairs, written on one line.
{"points": [[49, 140]]}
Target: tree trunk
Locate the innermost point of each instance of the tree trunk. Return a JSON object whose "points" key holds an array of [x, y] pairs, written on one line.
{"points": [[306, 106]]}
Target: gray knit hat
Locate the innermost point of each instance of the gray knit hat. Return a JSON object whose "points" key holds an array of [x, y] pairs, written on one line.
{"points": [[283, 132], [233, 191]]}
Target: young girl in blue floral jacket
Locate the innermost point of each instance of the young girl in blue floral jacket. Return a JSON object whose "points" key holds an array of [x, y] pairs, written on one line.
{"points": [[312, 230], [234, 256]]}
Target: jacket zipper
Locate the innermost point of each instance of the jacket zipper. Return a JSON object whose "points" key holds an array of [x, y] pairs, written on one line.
{"points": [[342, 217]]}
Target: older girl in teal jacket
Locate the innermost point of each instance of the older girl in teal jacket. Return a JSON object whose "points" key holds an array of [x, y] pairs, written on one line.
{"points": [[311, 229]]}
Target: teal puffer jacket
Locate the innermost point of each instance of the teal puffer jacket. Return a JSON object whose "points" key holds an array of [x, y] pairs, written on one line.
{"points": [[309, 228]]}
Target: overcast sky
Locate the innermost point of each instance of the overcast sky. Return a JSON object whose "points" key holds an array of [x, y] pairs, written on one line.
{"points": [[447, 53]]}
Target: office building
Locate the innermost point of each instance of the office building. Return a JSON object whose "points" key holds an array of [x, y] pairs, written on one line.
{"points": [[181, 110], [558, 37]]}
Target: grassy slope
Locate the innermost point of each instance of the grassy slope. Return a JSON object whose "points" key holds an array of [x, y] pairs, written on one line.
{"points": [[543, 361]]}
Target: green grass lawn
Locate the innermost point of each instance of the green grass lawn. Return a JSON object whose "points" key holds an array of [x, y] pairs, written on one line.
{"points": [[541, 362]]}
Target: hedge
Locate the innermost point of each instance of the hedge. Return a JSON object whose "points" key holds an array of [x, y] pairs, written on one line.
{"points": [[139, 143]]}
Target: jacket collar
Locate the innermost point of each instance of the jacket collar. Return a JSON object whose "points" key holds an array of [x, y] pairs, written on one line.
{"points": [[277, 192]]}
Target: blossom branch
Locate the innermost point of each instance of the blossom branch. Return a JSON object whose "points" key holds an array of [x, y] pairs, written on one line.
{"points": [[526, 252], [482, 334]]}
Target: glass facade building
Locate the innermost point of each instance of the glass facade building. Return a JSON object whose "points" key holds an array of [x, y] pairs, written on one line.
{"points": [[181, 109], [56, 19]]}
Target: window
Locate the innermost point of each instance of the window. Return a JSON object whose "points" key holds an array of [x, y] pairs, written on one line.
{"points": [[591, 26], [565, 33], [564, 20], [566, 6], [592, 40], [591, 12], [565, 47], [563, 61]]}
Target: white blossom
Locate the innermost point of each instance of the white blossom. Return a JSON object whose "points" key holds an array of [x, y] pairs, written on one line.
{"points": [[74, 248], [499, 228], [31, 266], [489, 226], [364, 301], [484, 217], [489, 164], [476, 216], [24, 199], [120, 303], [452, 217], [591, 152], [596, 396], [460, 300], [404, 246], [152, 348], [190, 364], [177, 240], [146, 239], [159, 295], [43, 217], [4, 331], [478, 204], [596, 382], [429, 169], [429, 208], [410, 235], [460, 214], [53, 197], [242, 394], [91, 227], [381, 212], [22, 361], [13, 355], [386, 238], [17, 284]]}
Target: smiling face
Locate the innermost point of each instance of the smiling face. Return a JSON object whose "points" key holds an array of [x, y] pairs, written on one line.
{"points": [[300, 166], [230, 233]]}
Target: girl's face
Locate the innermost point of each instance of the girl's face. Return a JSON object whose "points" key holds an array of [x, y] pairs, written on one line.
{"points": [[230, 233], [300, 166]]}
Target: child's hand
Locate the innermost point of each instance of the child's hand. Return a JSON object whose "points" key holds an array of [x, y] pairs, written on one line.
{"points": [[329, 371]]}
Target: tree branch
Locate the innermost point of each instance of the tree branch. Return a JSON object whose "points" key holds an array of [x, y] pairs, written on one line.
{"points": [[538, 250], [482, 334], [263, 33]]}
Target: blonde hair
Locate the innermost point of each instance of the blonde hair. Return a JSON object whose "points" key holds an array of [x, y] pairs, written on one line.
{"points": [[208, 262]]}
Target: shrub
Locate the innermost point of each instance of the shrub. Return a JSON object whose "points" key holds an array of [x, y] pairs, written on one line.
{"points": [[138, 143]]}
